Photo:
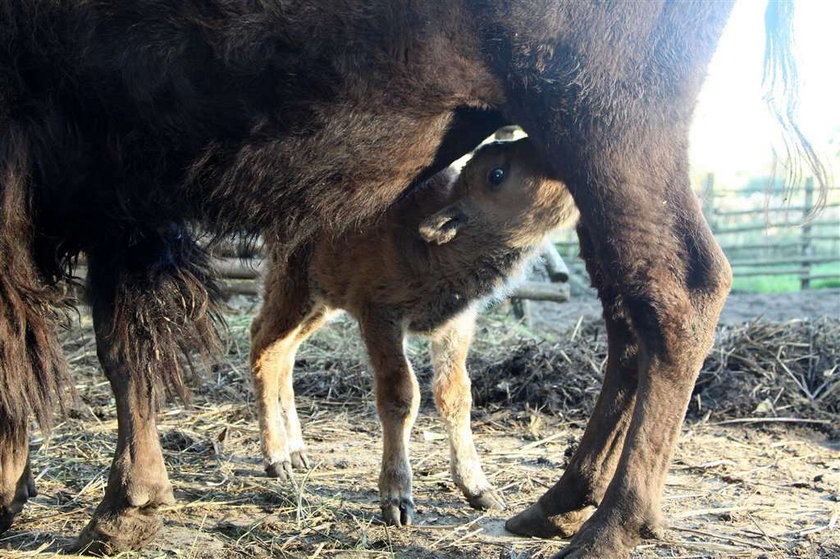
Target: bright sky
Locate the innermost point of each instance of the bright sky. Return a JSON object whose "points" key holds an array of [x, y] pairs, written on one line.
{"points": [[733, 131]]}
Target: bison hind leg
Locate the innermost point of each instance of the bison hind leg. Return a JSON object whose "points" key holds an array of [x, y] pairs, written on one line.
{"points": [[32, 368]]}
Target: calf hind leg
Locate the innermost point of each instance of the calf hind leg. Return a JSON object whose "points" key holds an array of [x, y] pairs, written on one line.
{"points": [[288, 316], [274, 343], [451, 387]]}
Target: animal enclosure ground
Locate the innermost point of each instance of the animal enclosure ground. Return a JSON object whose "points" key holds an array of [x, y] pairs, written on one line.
{"points": [[748, 488]]}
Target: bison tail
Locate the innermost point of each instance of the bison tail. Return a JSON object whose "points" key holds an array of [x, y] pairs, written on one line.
{"points": [[32, 368], [781, 82]]}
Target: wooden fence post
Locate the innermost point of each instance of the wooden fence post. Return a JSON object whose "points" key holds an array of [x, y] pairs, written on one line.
{"points": [[806, 249]]}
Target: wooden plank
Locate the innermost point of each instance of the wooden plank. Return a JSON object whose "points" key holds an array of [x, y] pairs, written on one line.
{"points": [[783, 261], [554, 264], [753, 273], [770, 245], [807, 250], [734, 192], [806, 208], [541, 291], [824, 276], [765, 226]]}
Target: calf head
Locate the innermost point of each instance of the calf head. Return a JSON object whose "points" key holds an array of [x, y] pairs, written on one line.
{"points": [[504, 190]]}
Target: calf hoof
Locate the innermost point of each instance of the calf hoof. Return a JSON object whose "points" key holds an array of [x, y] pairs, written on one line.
{"points": [[535, 522], [398, 512], [489, 499], [130, 529], [281, 470], [300, 460]]}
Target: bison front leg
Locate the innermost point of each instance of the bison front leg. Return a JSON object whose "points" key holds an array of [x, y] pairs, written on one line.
{"points": [[138, 484], [397, 402], [16, 482], [150, 306], [451, 387], [670, 281], [568, 504]]}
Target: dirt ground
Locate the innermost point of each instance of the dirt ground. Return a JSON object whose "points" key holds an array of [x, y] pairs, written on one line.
{"points": [[740, 486], [741, 307]]}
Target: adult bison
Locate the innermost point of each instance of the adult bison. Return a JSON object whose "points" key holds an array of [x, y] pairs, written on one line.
{"points": [[123, 123]]}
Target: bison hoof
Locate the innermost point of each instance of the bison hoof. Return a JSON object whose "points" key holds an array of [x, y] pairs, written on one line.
{"points": [[596, 541], [25, 490], [608, 534], [534, 522], [300, 460], [489, 499], [130, 529], [398, 512], [8, 514]]}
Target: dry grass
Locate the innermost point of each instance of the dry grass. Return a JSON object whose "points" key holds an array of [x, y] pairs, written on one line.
{"points": [[764, 490]]}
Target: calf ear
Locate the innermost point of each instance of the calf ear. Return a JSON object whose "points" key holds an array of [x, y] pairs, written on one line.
{"points": [[443, 226]]}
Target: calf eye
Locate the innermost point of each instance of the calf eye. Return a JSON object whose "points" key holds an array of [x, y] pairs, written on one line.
{"points": [[496, 176]]}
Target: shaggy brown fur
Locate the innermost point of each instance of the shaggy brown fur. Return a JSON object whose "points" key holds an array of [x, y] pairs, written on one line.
{"points": [[424, 268], [119, 120], [32, 368]]}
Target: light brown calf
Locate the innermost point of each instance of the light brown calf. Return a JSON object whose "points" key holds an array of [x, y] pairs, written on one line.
{"points": [[424, 268]]}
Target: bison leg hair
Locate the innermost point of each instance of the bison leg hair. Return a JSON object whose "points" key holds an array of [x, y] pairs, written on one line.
{"points": [[451, 387], [152, 307], [33, 372], [397, 402]]}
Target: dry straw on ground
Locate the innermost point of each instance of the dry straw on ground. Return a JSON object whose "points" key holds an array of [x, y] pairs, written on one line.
{"points": [[769, 488]]}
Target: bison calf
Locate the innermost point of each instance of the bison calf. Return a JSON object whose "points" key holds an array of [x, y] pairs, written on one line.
{"points": [[424, 268]]}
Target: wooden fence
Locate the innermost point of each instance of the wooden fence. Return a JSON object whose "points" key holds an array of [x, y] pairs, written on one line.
{"points": [[794, 240], [768, 237]]}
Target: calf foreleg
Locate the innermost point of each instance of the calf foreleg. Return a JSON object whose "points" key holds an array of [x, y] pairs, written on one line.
{"points": [[288, 316], [397, 401], [451, 387]]}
